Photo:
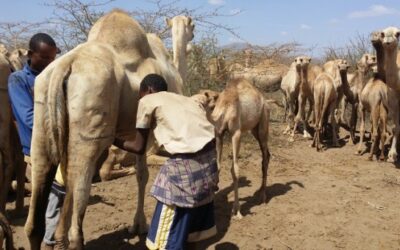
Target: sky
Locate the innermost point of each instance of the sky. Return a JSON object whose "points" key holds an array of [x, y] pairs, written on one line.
{"points": [[312, 23]]}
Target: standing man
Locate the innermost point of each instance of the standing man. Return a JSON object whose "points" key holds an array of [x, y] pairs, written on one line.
{"points": [[185, 186], [42, 51]]}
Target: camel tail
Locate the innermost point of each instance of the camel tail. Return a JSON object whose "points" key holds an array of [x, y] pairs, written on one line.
{"points": [[7, 232], [57, 111]]}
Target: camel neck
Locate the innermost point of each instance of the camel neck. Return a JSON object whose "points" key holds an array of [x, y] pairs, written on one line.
{"points": [[179, 50], [346, 87], [391, 68], [380, 57]]}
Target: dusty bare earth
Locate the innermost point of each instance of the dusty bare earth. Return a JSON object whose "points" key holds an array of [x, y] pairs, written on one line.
{"points": [[329, 200]]}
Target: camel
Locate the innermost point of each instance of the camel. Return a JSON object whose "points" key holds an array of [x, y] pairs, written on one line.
{"points": [[307, 74], [357, 81], [239, 108], [389, 38], [11, 157], [290, 87], [216, 68], [381, 101], [182, 33], [98, 80], [6, 234], [328, 87], [266, 75]]}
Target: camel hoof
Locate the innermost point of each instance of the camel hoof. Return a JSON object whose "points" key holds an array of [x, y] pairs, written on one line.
{"points": [[291, 139], [370, 158], [138, 229], [238, 216]]}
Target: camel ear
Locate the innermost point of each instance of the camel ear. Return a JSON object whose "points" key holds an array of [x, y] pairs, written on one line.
{"points": [[168, 21], [22, 52], [398, 34], [309, 59], [189, 21]]}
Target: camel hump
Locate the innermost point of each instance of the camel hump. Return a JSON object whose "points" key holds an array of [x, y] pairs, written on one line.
{"points": [[123, 33]]}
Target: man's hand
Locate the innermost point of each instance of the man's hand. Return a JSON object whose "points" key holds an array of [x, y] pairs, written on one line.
{"points": [[136, 146]]}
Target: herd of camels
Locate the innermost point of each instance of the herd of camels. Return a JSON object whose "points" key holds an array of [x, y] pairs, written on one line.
{"points": [[99, 80]]}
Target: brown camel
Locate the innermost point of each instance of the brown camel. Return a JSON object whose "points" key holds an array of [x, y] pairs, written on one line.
{"points": [[11, 157], [83, 100], [6, 234], [239, 108], [328, 87], [389, 38]]}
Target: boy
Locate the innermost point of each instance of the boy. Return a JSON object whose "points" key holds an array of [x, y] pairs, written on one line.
{"points": [[184, 188], [42, 51]]}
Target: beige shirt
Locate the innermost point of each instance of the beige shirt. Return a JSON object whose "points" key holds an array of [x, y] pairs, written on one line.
{"points": [[180, 124]]}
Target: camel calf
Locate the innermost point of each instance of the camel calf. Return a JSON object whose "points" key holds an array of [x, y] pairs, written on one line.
{"points": [[238, 109]]}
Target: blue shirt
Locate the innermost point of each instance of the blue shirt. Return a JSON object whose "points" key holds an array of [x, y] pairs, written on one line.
{"points": [[20, 90]]}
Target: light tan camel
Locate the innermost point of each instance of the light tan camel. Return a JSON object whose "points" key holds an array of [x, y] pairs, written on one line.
{"points": [[217, 68], [239, 108], [98, 81], [182, 33], [390, 40], [6, 234], [327, 88], [266, 75], [11, 157], [357, 82], [290, 87], [308, 73]]}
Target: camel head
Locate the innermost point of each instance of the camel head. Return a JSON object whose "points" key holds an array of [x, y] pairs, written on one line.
{"points": [[3, 49], [210, 99], [18, 58], [182, 27], [342, 65], [302, 62], [390, 37], [367, 61], [376, 38]]}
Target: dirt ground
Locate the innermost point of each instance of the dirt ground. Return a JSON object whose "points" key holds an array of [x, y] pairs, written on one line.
{"points": [[328, 200]]}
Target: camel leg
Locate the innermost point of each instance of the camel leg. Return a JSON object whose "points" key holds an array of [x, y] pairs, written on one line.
{"points": [[353, 122], [7, 168], [392, 156], [383, 116], [261, 134], [42, 179], [299, 116], [107, 171], [142, 176], [219, 140], [334, 124], [374, 129], [21, 185], [235, 173], [290, 118], [362, 130], [83, 159]]}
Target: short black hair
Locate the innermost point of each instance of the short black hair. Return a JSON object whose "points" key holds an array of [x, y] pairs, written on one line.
{"points": [[40, 38], [155, 82]]}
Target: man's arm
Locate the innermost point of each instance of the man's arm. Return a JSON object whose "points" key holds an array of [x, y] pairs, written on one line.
{"points": [[21, 100], [136, 146]]}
